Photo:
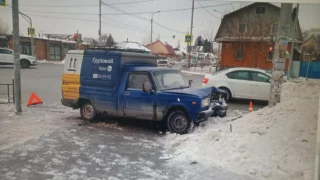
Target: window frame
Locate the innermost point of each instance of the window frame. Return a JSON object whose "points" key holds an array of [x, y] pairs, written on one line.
{"points": [[55, 45], [245, 27], [140, 72], [260, 9], [236, 53]]}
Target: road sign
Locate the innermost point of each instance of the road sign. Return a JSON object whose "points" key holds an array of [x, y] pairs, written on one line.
{"points": [[188, 38], [31, 30], [3, 3]]}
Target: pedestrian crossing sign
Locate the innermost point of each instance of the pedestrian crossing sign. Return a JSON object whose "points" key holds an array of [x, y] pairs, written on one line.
{"points": [[188, 38], [3, 3], [31, 30]]}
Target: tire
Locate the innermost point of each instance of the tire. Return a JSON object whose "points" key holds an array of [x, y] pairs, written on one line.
{"points": [[178, 122], [24, 63], [228, 96], [87, 111]]}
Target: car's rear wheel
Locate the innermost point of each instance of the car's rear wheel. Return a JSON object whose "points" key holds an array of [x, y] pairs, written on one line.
{"points": [[87, 111], [24, 63], [228, 95], [178, 122]]}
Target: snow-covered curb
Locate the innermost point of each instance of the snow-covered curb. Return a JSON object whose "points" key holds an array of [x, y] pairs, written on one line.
{"points": [[194, 73], [271, 143], [51, 62]]}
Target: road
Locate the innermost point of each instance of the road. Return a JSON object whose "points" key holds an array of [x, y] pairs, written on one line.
{"points": [[45, 81], [112, 149]]}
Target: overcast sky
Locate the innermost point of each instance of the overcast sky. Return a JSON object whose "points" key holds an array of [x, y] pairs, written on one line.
{"points": [[121, 27]]}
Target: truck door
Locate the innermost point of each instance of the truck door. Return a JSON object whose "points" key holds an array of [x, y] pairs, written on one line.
{"points": [[138, 104]]}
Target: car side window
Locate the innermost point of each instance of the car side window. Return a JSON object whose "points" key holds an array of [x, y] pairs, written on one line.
{"points": [[239, 75], [260, 77], [5, 51], [136, 80]]}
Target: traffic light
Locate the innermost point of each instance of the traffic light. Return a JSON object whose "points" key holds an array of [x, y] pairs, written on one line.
{"points": [[75, 37]]}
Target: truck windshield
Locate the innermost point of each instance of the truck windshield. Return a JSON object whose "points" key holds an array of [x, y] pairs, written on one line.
{"points": [[169, 80]]}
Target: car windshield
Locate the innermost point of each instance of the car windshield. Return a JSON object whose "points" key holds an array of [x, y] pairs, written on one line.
{"points": [[169, 80], [162, 62]]}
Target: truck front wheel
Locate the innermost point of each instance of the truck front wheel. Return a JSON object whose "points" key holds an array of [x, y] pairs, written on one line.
{"points": [[178, 122], [87, 111]]}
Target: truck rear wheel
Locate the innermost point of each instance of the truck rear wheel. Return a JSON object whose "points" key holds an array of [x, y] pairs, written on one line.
{"points": [[178, 122], [87, 111]]}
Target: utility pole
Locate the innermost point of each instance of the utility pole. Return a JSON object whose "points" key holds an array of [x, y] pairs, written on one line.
{"points": [[16, 54], [151, 27], [189, 49], [280, 53], [152, 24], [100, 22], [293, 33]]}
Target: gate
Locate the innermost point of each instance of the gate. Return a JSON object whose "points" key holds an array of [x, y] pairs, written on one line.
{"points": [[313, 72], [6, 93]]}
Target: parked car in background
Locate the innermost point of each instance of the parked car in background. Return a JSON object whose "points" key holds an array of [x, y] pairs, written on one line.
{"points": [[164, 63], [172, 62], [6, 58], [243, 83]]}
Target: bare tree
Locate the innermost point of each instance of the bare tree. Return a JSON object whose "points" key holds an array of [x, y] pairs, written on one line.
{"points": [[4, 29], [208, 31]]}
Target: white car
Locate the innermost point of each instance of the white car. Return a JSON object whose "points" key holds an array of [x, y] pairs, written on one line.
{"points": [[6, 58], [164, 63], [243, 83]]}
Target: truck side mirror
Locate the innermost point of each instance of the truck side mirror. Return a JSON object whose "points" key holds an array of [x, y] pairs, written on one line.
{"points": [[190, 82], [146, 87]]}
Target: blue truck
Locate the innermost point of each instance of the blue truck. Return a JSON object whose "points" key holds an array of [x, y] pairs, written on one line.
{"points": [[129, 84]]}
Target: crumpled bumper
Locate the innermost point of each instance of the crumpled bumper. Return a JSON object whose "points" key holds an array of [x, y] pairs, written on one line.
{"points": [[204, 115]]}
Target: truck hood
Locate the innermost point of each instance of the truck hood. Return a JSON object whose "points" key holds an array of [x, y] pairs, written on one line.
{"points": [[202, 92]]}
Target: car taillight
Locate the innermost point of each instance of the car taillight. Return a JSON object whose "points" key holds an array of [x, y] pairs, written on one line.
{"points": [[205, 80]]}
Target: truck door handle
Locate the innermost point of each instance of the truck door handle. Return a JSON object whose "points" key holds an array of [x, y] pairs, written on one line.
{"points": [[127, 93]]}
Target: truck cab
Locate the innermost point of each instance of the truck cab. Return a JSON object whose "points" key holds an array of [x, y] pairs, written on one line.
{"points": [[129, 84]]}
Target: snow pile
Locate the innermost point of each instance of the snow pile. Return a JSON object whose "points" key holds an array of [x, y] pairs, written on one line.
{"points": [[271, 143]]}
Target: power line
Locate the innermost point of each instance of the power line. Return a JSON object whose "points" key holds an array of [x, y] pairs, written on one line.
{"points": [[88, 5], [170, 10], [141, 18], [207, 10], [86, 20], [132, 2]]}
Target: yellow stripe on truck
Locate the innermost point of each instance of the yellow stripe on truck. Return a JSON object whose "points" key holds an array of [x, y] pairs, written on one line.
{"points": [[70, 86]]}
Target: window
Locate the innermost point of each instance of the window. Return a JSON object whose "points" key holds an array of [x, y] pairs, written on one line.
{"points": [[55, 52], [259, 77], [242, 28], [25, 48], [240, 75], [239, 54], [5, 51], [169, 80], [136, 80], [274, 28], [260, 10]]}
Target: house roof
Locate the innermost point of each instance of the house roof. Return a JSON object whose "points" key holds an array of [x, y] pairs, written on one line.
{"points": [[242, 9], [168, 47]]}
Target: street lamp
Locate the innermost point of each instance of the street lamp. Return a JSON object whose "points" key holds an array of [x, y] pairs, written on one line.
{"points": [[30, 22], [152, 23]]}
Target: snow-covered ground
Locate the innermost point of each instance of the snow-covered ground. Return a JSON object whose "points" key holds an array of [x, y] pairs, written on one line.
{"points": [[34, 122], [271, 143], [51, 62]]}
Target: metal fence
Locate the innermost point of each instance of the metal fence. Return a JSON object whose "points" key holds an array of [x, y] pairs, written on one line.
{"points": [[6, 92], [310, 70]]}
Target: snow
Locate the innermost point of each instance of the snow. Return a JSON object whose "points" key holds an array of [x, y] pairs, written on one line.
{"points": [[51, 62], [200, 71], [132, 45], [271, 143]]}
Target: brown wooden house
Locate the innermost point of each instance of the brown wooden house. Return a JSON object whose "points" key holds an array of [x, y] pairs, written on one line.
{"points": [[248, 35], [161, 48]]}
